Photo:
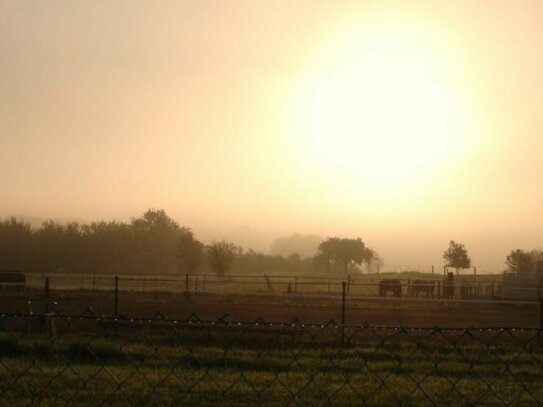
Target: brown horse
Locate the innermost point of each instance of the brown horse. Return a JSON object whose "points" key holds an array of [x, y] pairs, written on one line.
{"points": [[448, 286], [392, 285], [422, 286]]}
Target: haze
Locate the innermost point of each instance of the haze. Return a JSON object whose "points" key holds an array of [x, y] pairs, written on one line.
{"points": [[407, 125]]}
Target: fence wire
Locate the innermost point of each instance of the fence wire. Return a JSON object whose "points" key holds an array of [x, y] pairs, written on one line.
{"points": [[53, 360]]}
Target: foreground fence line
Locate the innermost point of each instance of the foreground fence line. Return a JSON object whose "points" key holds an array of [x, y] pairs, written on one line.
{"points": [[93, 360]]}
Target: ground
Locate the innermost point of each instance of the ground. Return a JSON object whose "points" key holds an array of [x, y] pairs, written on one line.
{"points": [[282, 308]]}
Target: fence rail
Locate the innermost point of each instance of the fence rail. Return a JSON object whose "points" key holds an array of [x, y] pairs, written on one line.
{"points": [[463, 288], [49, 360]]}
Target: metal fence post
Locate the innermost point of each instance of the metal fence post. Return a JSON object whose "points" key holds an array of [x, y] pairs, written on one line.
{"points": [[46, 296], [116, 298], [343, 293]]}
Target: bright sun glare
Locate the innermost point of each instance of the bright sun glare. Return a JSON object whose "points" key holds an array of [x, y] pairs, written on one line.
{"points": [[382, 113]]}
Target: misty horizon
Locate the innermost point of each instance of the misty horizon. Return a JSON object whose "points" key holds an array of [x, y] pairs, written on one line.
{"points": [[395, 255]]}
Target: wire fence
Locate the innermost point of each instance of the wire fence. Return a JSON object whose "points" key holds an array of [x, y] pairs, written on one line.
{"points": [[463, 288], [50, 360]]}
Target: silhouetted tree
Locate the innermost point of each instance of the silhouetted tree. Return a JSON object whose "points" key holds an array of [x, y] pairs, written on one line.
{"points": [[49, 246], [520, 261], [156, 239], [15, 243], [190, 252], [456, 256], [108, 247], [220, 256], [344, 252]]}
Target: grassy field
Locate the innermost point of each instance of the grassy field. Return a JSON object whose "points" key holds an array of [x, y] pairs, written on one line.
{"points": [[236, 367]]}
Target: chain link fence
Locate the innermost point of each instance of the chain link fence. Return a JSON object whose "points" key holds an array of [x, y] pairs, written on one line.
{"points": [[53, 360]]}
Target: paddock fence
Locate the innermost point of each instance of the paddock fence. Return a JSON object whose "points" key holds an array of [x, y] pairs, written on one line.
{"points": [[465, 288]]}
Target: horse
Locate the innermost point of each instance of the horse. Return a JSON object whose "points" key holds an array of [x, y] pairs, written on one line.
{"points": [[392, 285], [448, 286], [424, 286]]}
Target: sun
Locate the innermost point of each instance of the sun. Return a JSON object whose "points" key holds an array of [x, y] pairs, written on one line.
{"points": [[383, 113]]}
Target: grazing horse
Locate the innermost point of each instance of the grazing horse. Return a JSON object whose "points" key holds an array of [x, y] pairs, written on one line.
{"points": [[448, 286], [392, 285], [424, 286]]}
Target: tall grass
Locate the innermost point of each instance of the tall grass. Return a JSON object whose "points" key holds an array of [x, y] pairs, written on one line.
{"points": [[195, 371]]}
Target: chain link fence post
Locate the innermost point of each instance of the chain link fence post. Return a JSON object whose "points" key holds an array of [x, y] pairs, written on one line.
{"points": [[343, 295]]}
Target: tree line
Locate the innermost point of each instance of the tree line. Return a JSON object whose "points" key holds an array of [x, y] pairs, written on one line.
{"points": [[155, 243]]}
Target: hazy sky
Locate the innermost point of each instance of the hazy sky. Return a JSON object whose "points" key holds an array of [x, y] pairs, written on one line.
{"points": [[405, 123]]}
